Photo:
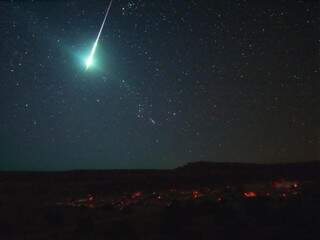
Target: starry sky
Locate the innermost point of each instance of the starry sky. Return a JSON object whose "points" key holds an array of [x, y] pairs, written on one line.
{"points": [[173, 82]]}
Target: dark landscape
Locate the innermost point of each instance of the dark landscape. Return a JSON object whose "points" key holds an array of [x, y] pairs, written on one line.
{"points": [[159, 120], [198, 201]]}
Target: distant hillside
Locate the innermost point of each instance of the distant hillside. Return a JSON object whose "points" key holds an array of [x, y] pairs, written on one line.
{"points": [[306, 170]]}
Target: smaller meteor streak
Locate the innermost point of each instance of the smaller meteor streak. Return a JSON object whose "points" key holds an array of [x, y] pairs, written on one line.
{"points": [[89, 60]]}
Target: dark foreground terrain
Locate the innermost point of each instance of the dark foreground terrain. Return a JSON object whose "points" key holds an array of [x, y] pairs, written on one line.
{"points": [[197, 201]]}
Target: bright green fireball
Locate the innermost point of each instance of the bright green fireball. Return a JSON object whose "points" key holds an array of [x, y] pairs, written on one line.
{"points": [[89, 60]]}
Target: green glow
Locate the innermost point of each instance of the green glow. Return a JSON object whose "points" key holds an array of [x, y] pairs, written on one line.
{"points": [[89, 61]]}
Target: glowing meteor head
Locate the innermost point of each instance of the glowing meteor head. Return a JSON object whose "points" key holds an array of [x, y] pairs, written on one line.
{"points": [[89, 62]]}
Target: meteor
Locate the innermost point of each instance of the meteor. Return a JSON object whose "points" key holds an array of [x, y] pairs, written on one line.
{"points": [[89, 60]]}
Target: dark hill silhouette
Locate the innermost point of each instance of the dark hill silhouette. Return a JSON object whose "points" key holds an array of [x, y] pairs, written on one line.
{"points": [[306, 170]]}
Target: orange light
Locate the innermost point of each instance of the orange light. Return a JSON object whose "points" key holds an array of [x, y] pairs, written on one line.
{"points": [[250, 194], [90, 198], [196, 194], [136, 195]]}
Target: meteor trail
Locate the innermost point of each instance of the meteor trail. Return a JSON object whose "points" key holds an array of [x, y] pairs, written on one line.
{"points": [[89, 60]]}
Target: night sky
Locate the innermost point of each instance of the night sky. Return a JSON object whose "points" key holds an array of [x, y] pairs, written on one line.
{"points": [[173, 82]]}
